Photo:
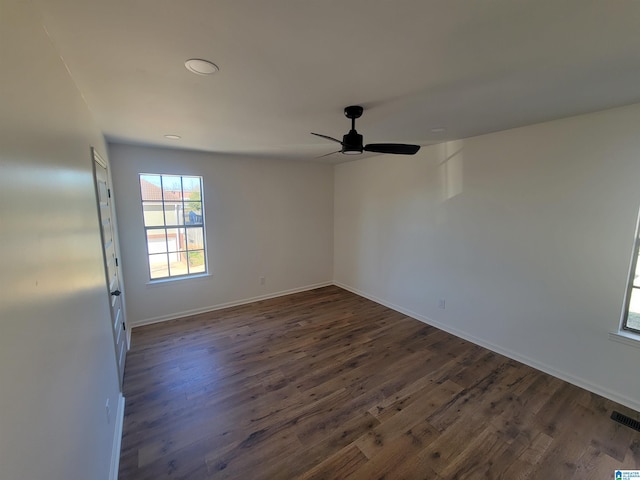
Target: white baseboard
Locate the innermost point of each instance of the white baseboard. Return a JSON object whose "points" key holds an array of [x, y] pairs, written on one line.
{"points": [[117, 440], [580, 382], [220, 306]]}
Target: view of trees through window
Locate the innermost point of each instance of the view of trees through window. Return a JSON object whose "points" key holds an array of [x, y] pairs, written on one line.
{"points": [[174, 224]]}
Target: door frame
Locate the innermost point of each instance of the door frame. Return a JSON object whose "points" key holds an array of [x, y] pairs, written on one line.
{"points": [[97, 158]]}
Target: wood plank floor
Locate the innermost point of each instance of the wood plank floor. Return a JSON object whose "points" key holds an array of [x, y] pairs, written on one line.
{"points": [[328, 385]]}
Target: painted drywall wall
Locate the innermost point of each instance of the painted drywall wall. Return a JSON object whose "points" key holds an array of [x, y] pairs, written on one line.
{"points": [[525, 234], [263, 218], [57, 361]]}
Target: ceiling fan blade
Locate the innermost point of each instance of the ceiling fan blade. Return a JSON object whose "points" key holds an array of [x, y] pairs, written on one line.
{"points": [[327, 154], [327, 137], [394, 148]]}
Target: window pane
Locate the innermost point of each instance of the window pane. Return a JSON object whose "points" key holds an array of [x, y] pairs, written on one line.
{"points": [[172, 188], [150, 187], [176, 239], [196, 261], [178, 263], [173, 213], [636, 277], [152, 213], [191, 187], [633, 321], [193, 213], [156, 241], [158, 266], [195, 238]]}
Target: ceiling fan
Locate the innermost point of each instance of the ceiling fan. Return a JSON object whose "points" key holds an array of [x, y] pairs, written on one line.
{"points": [[352, 141]]}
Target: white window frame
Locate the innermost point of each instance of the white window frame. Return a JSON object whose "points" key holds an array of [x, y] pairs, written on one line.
{"points": [[179, 225], [624, 328]]}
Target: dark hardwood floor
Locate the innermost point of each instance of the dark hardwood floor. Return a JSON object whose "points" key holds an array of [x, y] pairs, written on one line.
{"points": [[328, 385]]}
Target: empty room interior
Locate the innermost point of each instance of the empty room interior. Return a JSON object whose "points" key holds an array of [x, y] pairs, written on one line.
{"points": [[319, 240]]}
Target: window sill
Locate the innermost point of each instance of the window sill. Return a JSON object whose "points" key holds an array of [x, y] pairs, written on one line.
{"points": [[165, 281], [627, 338]]}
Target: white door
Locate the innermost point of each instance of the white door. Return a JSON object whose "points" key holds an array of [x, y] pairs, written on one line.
{"points": [[116, 299]]}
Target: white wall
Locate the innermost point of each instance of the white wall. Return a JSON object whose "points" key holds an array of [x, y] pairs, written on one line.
{"points": [[57, 362], [526, 234], [263, 218]]}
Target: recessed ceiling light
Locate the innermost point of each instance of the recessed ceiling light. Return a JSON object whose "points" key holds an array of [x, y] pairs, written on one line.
{"points": [[438, 130], [201, 67], [173, 137]]}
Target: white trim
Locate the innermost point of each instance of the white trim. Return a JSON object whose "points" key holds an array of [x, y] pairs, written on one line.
{"points": [[96, 156], [630, 277], [626, 338], [183, 278], [580, 382], [220, 306], [117, 440]]}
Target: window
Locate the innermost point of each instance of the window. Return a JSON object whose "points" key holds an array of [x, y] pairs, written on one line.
{"points": [[631, 321], [174, 225]]}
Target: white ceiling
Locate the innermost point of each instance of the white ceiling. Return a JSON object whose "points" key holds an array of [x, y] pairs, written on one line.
{"points": [[289, 67]]}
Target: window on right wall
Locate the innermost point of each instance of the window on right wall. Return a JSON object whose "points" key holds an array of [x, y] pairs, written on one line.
{"points": [[631, 320]]}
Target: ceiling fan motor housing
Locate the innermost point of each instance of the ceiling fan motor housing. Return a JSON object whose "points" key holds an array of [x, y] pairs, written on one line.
{"points": [[352, 143], [353, 111]]}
